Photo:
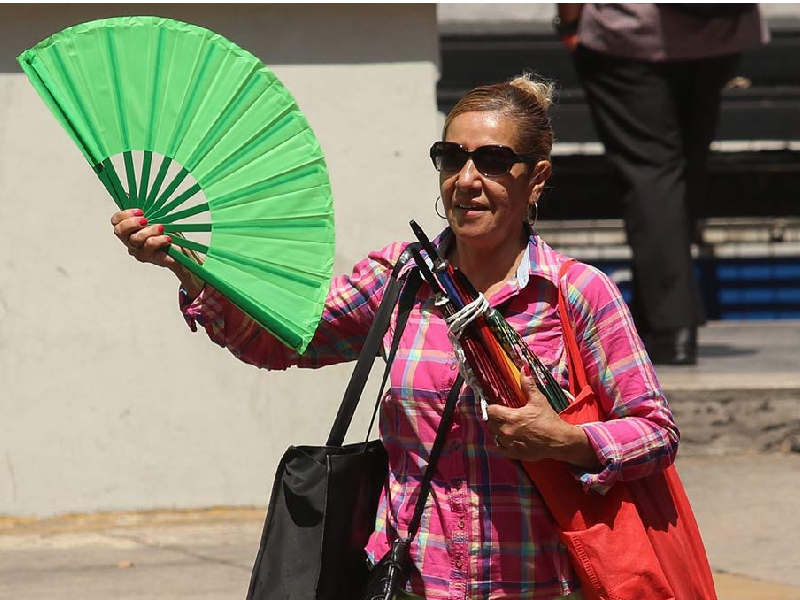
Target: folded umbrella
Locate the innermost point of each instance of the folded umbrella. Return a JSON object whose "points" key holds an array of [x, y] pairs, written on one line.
{"points": [[490, 350]]}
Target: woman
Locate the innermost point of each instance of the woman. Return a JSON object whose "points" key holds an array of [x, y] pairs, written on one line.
{"points": [[486, 532]]}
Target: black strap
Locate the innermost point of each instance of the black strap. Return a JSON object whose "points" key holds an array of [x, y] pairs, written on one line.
{"points": [[441, 434], [363, 367], [372, 344], [405, 304]]}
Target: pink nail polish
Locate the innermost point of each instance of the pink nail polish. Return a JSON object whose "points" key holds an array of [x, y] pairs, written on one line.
{"points": [[160, 229], [142, 221], [138, 212], [169, 239]]}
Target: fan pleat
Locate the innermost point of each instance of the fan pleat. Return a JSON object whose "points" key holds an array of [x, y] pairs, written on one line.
{"points": [[117, 87], [44, 82], [290, 296], [98, 72], [239, 156], [229, 114], [266, 267], [281, 158], [270, 188], [292, 208], [292, 256], [275, 228], [155, 93], [188, 112], [288, 299], [79, 107], [228, 97], [294, 332]]}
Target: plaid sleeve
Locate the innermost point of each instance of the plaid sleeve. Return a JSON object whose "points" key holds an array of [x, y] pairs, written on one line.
{"points": [[349, 309], [640, 436]]}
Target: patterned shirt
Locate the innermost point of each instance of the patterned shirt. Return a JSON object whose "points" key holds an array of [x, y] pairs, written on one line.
{"points": [[486, 533]]}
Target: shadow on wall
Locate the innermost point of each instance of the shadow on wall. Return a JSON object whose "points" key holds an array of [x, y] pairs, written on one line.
{"points": [[295, 34]]}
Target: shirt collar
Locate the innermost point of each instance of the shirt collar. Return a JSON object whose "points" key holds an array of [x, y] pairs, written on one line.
{"points": [[539, 261]]}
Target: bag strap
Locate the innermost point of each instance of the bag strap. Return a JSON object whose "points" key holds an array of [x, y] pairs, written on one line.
{"points": [[436, 450], [398, 553], [372, 344], [405, 304], [397, 557], [575, 364]]}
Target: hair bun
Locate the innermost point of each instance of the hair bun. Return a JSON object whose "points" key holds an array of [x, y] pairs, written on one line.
{"points": [[538, 87], [524, 100]]}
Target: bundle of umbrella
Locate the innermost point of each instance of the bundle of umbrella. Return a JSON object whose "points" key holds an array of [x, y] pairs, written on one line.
{"points": [[491, 353]]}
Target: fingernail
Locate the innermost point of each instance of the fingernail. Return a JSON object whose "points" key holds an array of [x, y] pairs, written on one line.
{"points": [[142, 221], [138, 212], [169, 239], [526, 370], [160, 229]]}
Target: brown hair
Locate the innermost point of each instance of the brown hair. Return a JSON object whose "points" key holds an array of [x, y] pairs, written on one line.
{"points": [[525, 99]]}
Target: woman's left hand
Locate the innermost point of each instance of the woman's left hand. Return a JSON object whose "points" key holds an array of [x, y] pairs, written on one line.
{"points": [[535, 431]]}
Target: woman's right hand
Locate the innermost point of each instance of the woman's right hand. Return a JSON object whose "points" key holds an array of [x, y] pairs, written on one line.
{"points": [[146, 243]]}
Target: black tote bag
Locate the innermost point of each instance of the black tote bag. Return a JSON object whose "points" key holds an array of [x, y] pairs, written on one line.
{"points": [[324, 499]]}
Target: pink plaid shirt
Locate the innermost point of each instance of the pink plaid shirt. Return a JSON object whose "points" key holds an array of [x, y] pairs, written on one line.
{"points": [[485, 533]]}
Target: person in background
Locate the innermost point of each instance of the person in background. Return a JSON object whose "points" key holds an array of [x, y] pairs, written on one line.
{"points": [[653, 76]]}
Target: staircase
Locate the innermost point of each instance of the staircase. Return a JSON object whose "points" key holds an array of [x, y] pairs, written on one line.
{"points": [[749, 257]]}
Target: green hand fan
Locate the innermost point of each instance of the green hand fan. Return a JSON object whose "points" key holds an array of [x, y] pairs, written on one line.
{"points": [[212, 146]]}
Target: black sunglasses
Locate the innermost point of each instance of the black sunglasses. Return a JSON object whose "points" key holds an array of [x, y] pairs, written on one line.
{"points": [[491, 161]]}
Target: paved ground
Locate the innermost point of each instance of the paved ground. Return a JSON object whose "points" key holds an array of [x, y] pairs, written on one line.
{"points": [[746, 502], [744, 394], [204, 555], [746, 506], [741, 355], [747, 509]]}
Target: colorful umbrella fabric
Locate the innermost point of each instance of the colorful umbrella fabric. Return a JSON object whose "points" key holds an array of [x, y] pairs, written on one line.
{"points": [[491, 352]]}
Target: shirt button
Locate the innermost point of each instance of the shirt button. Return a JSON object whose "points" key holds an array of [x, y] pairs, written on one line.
{"points": [[458, 564], [461, 524], [453, 366]]}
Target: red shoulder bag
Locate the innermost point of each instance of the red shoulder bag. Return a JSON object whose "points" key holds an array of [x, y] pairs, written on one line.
{"points": [[640, 539]]}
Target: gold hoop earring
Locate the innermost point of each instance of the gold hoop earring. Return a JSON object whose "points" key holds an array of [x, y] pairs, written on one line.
{"points": [[436, 207], [535, 208]]}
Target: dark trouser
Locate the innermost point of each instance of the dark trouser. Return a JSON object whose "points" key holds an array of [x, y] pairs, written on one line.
{"points": [[656, 121]]}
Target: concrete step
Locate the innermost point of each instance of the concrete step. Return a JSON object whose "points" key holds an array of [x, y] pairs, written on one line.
{"points": [[744, 393], [747, 268], [605, 238]]}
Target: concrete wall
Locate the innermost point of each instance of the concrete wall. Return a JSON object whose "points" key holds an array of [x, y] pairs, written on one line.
{"points": [[107, 401]]}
